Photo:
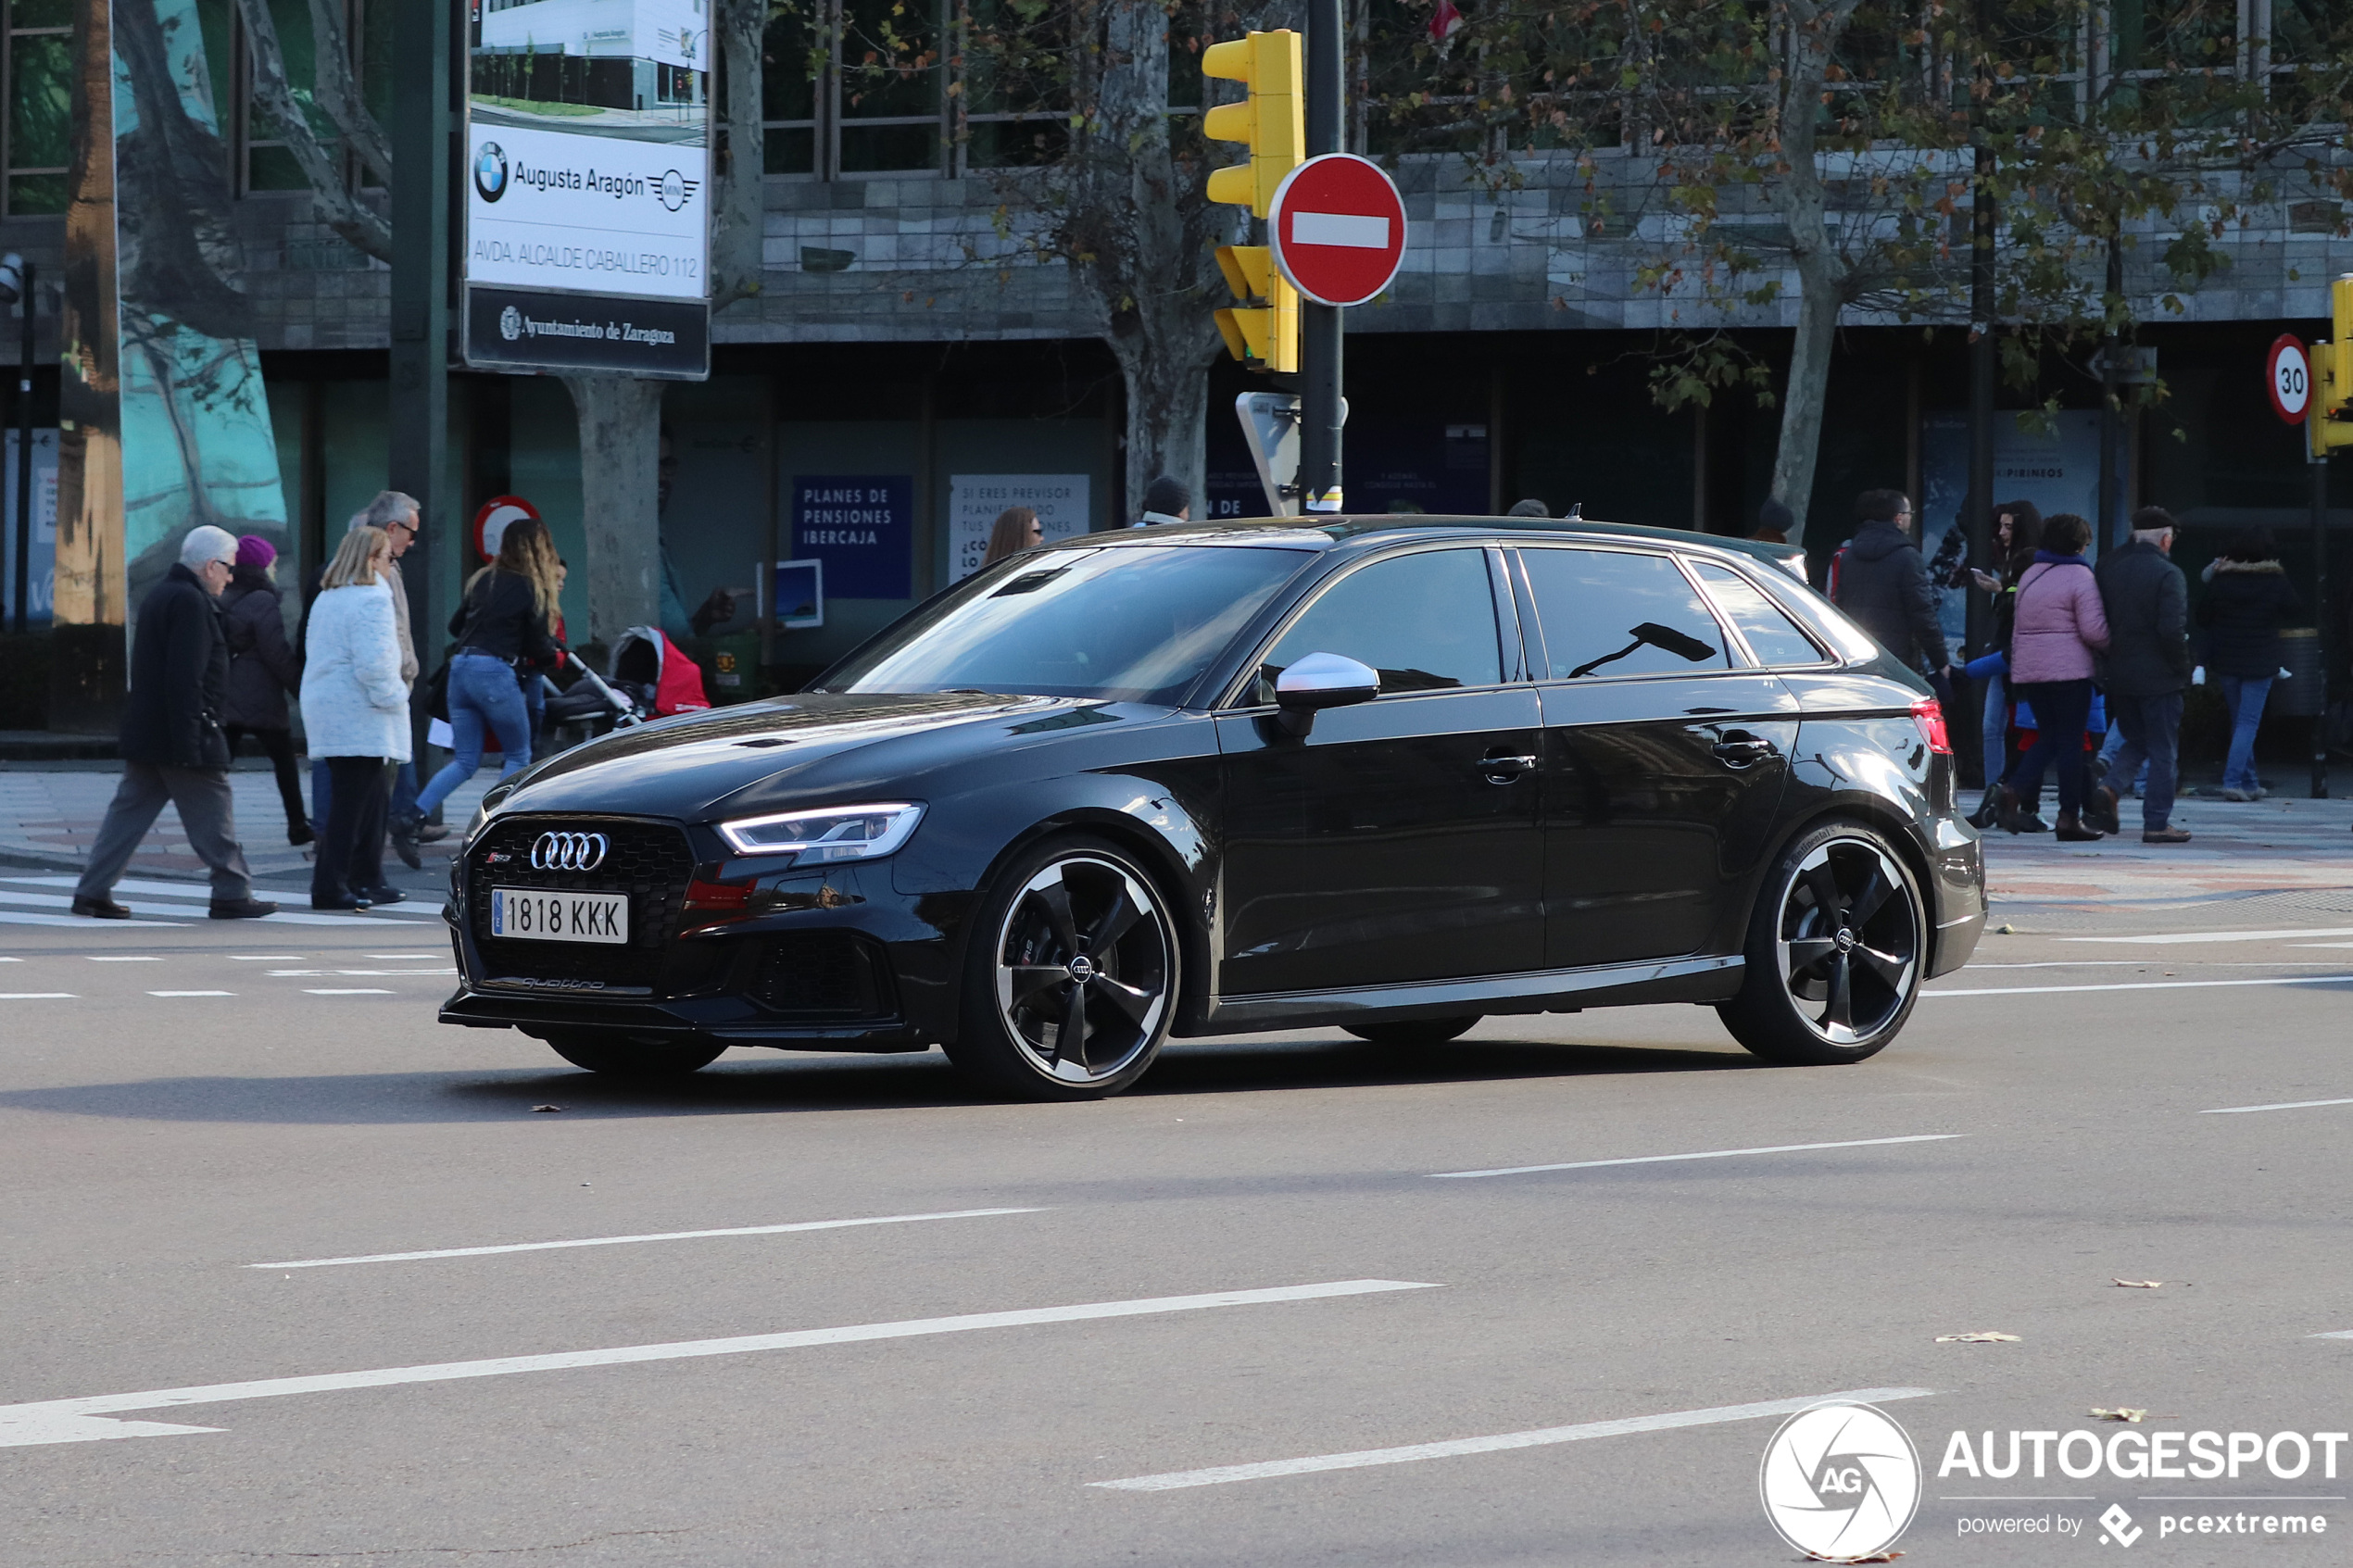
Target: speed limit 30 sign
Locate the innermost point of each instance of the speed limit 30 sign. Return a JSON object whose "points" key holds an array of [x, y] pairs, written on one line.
{"points": [[2288, 378]]}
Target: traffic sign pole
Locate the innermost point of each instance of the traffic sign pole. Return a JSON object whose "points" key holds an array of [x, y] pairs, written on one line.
{"points": [[1319, 325]]}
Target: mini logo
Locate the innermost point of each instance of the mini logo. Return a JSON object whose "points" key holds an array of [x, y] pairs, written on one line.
{"points": [[490, 171], [568, 851], [1840, 1480], [2121, 1529], [511, 324], [674, 190]]}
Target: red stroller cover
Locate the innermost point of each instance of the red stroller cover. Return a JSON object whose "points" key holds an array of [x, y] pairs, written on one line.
{"points": [[676, 680]]}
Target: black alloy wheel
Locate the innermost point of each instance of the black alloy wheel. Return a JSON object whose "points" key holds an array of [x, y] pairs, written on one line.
{"points": [[1835, 951], [1413, 1033], [619, 1057], [1072, 991]]}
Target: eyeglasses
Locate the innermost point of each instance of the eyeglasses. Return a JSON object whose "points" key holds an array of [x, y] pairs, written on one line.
{"points": [[411, 527]]}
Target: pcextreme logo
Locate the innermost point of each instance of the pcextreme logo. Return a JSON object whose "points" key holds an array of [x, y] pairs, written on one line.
{"points": [[1840, 1480]]}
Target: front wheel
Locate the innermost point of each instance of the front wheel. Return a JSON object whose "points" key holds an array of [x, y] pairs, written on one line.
{"points": [[1070, 983], [625, 1057], [1413, 1033], [1835, 951]]}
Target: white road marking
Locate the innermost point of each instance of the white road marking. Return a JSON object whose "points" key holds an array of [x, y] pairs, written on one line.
{"points": [[620, 1240], [140, 907], [2317, 945], [80, 1420], [23, 917], [36, 997], [2146, 964], [411, 953], [2162, 938], [267, 958], [1711, 1154], [4, 959], [346, 991], [314, 973], [2340, 1333], [122, 957], [192, 992], [2289, 1105], [2140, 985], [1364, 1458]]}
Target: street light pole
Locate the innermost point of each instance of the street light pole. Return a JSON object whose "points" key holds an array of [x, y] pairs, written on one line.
{"points": [[15, 282], [1320, 325]]}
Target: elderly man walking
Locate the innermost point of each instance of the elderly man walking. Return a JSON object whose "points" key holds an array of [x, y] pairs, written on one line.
{"points": [[173, 745], [2147, 668]]}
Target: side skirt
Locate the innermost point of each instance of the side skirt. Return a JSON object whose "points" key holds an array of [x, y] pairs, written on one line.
{"points": [[1551, 990]]}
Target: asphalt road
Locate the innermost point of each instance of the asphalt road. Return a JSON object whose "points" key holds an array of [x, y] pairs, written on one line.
{"points": [[1258, 1256]]}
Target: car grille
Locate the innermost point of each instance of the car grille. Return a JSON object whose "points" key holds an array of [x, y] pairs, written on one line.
{"points": [[650, 861], [824, 976]]}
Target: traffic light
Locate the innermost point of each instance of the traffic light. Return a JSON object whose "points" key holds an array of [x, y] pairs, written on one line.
{"points": [[1271, 123], [2333, 376]]}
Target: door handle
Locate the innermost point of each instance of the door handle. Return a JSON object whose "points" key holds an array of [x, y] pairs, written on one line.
{"points": [[1740, 749], [1503, 770]]}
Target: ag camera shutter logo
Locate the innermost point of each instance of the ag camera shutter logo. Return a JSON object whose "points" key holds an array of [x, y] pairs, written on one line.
{"points": [[1841, 1481]]}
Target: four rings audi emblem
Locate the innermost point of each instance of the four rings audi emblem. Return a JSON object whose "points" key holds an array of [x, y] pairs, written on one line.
{"points": [[568, 851]]}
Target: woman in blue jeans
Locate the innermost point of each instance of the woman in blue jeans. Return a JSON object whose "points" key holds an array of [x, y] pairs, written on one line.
{"points": [[502, 630]]}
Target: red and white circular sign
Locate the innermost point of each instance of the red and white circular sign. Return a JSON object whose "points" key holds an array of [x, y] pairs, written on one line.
{"points": [[490, 522], [1337, 229], [2287, 376]]}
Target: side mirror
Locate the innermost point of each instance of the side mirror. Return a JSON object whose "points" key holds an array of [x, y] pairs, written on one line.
{"points": [[1319, 680]]}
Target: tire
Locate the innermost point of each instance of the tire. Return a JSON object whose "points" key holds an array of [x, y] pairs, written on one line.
{"points": [[1413, 1033], [1836, 946], [1072, 931], [625, 1057]]}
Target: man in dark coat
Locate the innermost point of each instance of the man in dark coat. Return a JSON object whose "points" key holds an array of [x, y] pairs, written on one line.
{"points": [[2146, 669], [1884, 588], [172, 746]]}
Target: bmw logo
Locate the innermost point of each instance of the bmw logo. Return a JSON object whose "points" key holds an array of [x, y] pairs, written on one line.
{"points": [[490, 171]]}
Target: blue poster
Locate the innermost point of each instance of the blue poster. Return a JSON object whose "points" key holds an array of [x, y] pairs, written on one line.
{"points": [[862, 527]]}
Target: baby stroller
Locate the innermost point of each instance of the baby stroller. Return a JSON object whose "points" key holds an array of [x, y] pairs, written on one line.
{"points": [[588, 705], [650, 668]]}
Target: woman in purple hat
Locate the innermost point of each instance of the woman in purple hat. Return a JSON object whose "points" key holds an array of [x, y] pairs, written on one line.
{"points": [[262, 670]]}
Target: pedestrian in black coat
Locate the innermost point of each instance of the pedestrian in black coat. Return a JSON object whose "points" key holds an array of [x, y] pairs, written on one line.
{"points": [[262, 669], [1884, 584], [173, 748]]}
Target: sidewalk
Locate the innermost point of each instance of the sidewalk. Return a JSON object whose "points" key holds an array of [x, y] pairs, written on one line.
{"points": [[49, 817]]}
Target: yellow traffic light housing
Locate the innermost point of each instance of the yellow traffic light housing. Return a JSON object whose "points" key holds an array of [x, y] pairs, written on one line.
{"points": [[1269, 332], [2333, 376], [1272, 121]]}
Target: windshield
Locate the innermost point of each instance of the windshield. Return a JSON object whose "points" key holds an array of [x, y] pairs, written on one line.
{"points": [[1135, 624]]}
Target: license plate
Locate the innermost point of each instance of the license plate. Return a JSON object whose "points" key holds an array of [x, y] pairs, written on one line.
{"points": [[531, 915]]}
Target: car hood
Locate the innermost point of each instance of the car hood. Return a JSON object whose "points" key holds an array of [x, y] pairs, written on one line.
{"points": [[810, 744]]}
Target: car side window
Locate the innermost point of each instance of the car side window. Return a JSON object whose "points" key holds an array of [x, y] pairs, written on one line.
{"points": [[1771, 634], [1606, 613], [1424, 621]]}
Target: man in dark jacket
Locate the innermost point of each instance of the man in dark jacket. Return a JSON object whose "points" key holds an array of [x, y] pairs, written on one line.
{"points": [[2147, 668], [173, 745], [1884, 584]]}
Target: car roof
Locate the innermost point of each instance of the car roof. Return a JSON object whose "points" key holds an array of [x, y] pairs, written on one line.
{"points": [[1326, 533]]}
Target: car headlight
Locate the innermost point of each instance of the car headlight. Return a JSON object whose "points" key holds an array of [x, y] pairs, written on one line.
{"points": [[839, 833]]}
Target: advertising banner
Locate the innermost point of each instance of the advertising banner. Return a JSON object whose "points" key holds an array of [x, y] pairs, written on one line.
{"points": [[586, 188], [975, 500], [41, 559], [862, 527]]}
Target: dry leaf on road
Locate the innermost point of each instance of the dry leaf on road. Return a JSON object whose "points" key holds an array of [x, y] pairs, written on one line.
{"points": [[1983, 1337], [2139, 1284], [2122, 1413]]}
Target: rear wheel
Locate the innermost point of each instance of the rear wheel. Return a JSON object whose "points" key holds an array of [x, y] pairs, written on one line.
{"points": [[1835, 951], [1413, 1033], [624, 1057], [1070, 983]]}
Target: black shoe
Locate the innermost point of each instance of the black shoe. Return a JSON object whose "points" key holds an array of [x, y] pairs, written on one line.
{"points": [[241, 908], [2100, 810], [402, 833], [385, 895], [299, 833], [100, 909], [347, 905], [2030, 822], [1988, 810], [432, 832]]}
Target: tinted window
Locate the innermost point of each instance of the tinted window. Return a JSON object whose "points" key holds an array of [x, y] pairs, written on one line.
{"points": [[1771, 634], [1424, 621], [1135, 624], [1606, 612]]}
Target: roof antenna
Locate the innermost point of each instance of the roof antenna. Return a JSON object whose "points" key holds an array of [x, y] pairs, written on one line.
{"points": [[1576, 512]]}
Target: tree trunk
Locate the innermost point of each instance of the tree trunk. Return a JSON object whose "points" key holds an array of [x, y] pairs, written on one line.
{"points": [[1167, 420], [1809, 381], [736, 259], [620, 455]]}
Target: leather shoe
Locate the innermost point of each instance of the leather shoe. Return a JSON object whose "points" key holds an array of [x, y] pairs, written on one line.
{"points": [[300, 834], [347, 905], [241, 908], [402, 833], [432, 832], [385, 895], [2100, 810], [2166, 835], [100, 909]]}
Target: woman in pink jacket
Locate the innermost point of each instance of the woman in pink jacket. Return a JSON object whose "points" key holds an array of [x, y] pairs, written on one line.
{"points": [[2058, 628]]}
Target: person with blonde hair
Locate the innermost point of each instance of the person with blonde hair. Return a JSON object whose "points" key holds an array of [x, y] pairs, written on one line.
{"points": [[1017, 529], [355, 710], [504, 627]]}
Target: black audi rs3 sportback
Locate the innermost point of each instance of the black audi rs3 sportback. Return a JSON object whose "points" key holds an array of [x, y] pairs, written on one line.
{"points": [[1389, 774]]}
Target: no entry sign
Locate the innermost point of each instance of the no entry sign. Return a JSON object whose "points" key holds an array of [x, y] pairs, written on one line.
{"points": [[1337, 229], [2288, 378]]}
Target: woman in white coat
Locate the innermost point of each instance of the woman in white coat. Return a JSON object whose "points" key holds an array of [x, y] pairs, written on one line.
{"points": [[355, 710]]}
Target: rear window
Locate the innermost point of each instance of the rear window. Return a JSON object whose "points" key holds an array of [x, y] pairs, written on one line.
{"points": [[1772, 635]]}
